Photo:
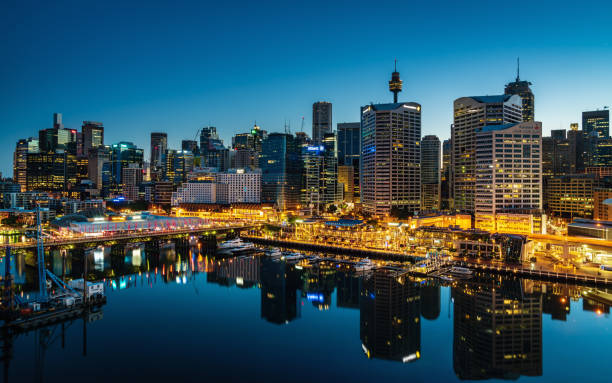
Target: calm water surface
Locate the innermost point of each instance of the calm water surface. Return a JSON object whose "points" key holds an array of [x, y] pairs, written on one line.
{"points": [[176, 314]]}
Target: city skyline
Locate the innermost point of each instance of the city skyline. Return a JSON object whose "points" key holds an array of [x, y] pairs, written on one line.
{"points": [[177, 96]]}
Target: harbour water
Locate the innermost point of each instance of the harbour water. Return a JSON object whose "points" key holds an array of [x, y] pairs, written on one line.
{"points": [[175, 313]]}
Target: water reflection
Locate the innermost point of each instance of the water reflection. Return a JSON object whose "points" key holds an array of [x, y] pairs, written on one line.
{"points": [[496, 322]]}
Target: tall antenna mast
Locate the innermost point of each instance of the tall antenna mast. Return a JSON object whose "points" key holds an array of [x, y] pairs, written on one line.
{"points": [[518, 68]]}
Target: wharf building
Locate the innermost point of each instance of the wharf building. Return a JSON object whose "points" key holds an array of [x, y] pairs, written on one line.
{"points": [[430, 173], [509, 178], [281, 166], [470, 114], [349, 154]]}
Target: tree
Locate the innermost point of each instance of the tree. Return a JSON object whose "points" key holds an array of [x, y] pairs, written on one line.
{"points": [[331, 209]]}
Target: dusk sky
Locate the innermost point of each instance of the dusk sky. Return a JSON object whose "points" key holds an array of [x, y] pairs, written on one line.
{"points": [[173, 67]]}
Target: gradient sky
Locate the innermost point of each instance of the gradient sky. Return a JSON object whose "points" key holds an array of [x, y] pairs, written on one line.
{"points": [[176, 66]]}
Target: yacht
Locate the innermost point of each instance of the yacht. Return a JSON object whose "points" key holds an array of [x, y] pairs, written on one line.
{"points": [[456, 270], [274, 253], [292, 257], [231, 244], [364, 265]]}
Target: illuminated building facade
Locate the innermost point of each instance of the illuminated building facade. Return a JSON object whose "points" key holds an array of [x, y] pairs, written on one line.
{"points": [[570, 195], [349, 152], [508, 171], [53, 172], [123, 155], [179, 163], [20, 160], [159, 146], [602, 211], [346, 179], [99, 170], [93, 135], [596, 121], [320, 184], [446, 176], [391, 157], [470, 114], [131, 180], [430, 173], [281, 166], [321, 121]]}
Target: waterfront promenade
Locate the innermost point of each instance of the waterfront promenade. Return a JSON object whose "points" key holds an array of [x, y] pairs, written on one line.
{"points": [[421, 266]]}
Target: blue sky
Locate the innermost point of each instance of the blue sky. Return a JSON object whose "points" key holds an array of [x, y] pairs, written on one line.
{"points": [[176, 66]]}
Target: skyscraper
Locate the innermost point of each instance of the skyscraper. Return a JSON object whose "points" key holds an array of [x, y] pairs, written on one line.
{"points": [[20, 160], [122, 155], [522, 89], [281, 167], [391, 157], [159, 145], [99, 170], [93, 135], [57, 138], [349, 151], [212, 152], [321, 121], [471, 113], [430, 173], [178, 165], [320, 185], [508, 171], [446, 176], [191, 146], [596, 121]]}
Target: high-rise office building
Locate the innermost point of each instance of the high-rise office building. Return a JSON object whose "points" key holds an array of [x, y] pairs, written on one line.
{"points": [[446, 176], [57, 138], [52, 172], [349, 152], [320, 185], [20, 160], [596, 121], [390, 157], [159, 146], [522, 89], [99, 169], [430, 173], [122, 155], [508, 170], [190, 146], [212, 152], [471, 113], [131, 178], [93, 135], [281, 166], [178, 165], [321, 121]]}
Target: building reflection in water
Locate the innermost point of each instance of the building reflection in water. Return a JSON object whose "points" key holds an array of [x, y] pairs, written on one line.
{"points": [[430, 300], [497, 330], [279, 297], [390, 309]]}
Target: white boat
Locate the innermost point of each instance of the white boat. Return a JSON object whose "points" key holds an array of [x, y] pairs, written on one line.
{"points": [[292, 257], [364, 265], [274, 253], [231, 244], [460, 270]]}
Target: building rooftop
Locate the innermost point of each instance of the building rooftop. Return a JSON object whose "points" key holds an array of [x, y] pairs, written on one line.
{"points": [[492, 99]]}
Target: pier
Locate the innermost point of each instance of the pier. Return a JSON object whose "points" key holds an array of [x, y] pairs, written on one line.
{"points": [[428, 267]]}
